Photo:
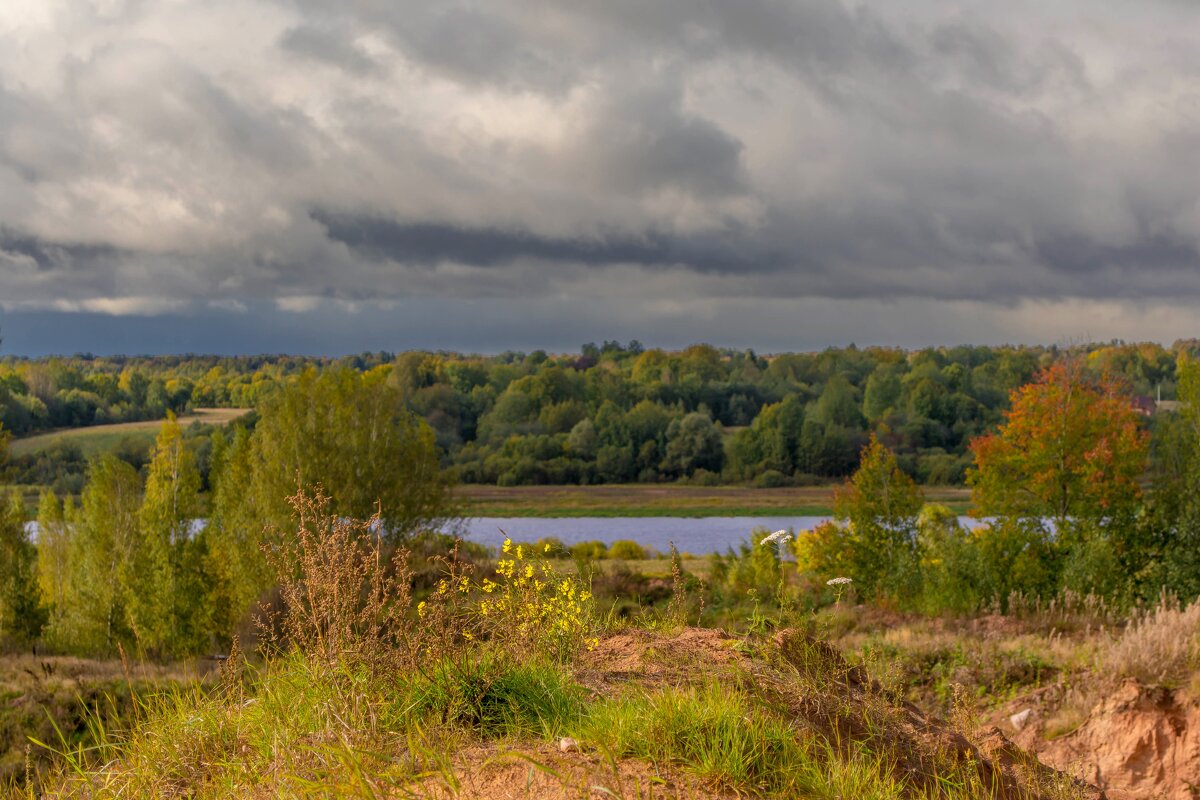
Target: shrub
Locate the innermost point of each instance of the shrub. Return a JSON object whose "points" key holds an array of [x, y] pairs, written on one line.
{"points": [[338, 602], [951, 568], [553, 547], [589, 551], [771, 479], [626, 550], [752, 568], [704, 477]]}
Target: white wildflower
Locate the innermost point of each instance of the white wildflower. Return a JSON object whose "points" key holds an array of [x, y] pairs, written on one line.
{"points": [[840, 586], [777, 537]]}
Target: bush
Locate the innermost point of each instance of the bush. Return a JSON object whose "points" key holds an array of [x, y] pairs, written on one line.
{"points": [[772, 479], [703, 477], [951, 566], [589, 551], [626, 550], [552, 547]]}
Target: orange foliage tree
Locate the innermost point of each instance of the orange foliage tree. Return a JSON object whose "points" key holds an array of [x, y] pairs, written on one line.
{"points": [[1070, 448]]}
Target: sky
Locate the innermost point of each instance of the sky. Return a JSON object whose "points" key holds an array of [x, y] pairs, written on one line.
{"points": [[313, 177]]}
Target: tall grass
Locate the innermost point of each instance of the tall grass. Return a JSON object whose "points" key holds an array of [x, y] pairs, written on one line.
{"points": [[1159, 645]]}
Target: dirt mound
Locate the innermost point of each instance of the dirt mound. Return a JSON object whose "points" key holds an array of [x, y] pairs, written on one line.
{"points": [[850, 707], [1138, 742], [650, 657], [545, 773]]}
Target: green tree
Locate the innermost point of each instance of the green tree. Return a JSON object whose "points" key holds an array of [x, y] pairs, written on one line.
{"points": [[103, 541], [53, 555], [693, 442], [838, 404], [239, 571], [882, 393], [351, 434], [160, 613], [21, 613], [874, 533], [1172, 526]]}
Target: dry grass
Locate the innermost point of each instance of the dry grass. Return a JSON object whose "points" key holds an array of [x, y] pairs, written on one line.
{"points": [[341, 599], [1160, 645]]}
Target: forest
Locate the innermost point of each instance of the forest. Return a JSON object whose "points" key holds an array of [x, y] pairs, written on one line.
{"points": [[612, 413], [1082, 494]]}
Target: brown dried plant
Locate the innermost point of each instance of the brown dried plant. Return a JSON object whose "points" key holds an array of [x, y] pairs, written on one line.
{"points": [[342, 600]]}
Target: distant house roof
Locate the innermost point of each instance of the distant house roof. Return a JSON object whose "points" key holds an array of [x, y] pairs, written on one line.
{"points": [[1167, 405]]}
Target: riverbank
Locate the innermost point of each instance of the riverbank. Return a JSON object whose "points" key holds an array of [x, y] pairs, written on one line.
{"points": [[667, 500]]}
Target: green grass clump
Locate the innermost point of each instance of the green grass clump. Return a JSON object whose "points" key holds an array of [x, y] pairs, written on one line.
{"points": [[735, 741], [712, 731], [497, 699]]}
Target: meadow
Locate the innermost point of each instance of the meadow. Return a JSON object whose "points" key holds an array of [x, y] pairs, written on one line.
{"points": [[99, 439]]}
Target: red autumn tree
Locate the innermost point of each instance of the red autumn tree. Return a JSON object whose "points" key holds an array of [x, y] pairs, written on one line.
{"points": [[1070, 448]]}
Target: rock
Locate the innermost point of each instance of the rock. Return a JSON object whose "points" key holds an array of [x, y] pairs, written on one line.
{"points": [[1019, 719], [568, 745]]}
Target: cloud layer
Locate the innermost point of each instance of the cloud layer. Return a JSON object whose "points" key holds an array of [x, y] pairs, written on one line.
{"points": [[220, 157]]}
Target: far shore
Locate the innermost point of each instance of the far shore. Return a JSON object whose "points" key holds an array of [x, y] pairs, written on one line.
{"points": [[666, 500]]}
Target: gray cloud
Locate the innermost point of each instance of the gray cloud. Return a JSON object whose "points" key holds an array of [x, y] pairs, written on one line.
{"points": [[155, 157]]}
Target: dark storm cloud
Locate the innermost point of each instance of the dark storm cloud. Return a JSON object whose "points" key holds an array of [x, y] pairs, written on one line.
{"points": [[162, 156], [430, 243], [49, 256]]}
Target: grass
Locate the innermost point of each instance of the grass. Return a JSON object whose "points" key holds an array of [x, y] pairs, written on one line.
{"points": [[464, 688], [102, 438], [664, 500], [709, 730], [58, 699], [298, 728]]}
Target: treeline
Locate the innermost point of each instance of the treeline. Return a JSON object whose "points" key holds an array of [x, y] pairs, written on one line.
{"points": [[1072, 509], [615, 413], [139, 563]]}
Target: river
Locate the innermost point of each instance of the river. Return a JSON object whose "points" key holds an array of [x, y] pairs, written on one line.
{"points": [[699, 535]]}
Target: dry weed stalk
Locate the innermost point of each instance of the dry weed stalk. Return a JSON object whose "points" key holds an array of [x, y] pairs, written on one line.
{"points": [[342, 600]]}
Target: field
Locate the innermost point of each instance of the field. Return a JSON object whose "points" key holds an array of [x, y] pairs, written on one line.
{"points": [[101, 438], [664, 500]]}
